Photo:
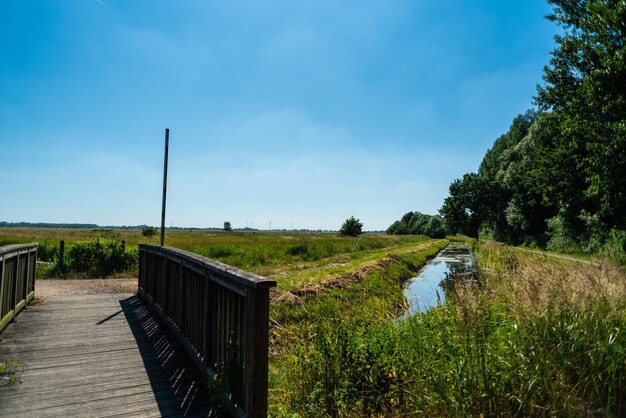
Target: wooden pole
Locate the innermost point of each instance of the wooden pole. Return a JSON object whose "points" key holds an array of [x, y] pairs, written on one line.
{"points": [[61, 256], [167, 143]]}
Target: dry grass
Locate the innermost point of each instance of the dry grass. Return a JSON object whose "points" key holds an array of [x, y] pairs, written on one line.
{"points": [[531, 283]]}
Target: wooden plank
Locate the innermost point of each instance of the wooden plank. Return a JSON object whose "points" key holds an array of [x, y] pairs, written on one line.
{"points": [[76, 368], [257, 353], [6, 320]]}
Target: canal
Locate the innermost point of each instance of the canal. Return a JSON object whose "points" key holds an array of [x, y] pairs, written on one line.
{"points": [[427, 288]]}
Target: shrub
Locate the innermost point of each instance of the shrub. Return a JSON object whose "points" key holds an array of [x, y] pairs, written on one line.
{"points": [[561, 236], [148, 231], [47, 252], [227, 226], [99, 258]]}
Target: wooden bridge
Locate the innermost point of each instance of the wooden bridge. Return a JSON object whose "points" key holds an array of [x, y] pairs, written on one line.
{"points": [[192, 343]]}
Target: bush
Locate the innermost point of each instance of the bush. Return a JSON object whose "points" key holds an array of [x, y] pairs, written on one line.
{"points": [[99, 258], [148, 231], [47, 252], [561, 236], [352, 227]]}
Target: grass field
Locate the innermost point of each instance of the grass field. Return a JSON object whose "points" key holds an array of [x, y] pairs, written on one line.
{"points": [[534, 336], [292, 259]]}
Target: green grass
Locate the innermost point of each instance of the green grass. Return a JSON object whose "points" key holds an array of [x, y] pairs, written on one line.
{"points": [[293, 259], [297, 328], [537, 337]]}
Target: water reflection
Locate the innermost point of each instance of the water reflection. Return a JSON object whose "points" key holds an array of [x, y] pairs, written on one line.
{"points": [[428, 288]]}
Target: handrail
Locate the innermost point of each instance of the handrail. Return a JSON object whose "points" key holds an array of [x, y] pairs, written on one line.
{"points": [[220, 314], [18, 266]]}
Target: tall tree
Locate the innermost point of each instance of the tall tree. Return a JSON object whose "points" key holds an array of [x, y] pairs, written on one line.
{"points": [[585, 93], [474, 201]]}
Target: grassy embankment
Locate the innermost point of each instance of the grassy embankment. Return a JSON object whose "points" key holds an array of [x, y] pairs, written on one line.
{"points": [[536, 336]]}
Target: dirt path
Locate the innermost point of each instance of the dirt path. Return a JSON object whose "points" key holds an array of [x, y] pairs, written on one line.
{"points": [[55, 288], [562, 257]]}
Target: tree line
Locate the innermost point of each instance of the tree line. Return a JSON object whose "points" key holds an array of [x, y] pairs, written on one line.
{"points": [[557, 178]]}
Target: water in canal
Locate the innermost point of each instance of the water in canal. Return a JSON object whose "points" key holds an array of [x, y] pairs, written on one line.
{"points": [[425, 290]]}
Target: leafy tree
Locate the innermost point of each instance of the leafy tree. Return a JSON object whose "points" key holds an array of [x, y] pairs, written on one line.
{"points": [[473, 202], [434, 228], [585, 90], [499, 156], [227, 226], [352, 227], [579, 149], [559, 173]]}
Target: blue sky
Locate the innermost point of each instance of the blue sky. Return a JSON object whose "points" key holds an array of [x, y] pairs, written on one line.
{"points": [[301, 113]]}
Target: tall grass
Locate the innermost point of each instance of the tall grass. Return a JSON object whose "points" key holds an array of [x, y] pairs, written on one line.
{"points": [[538, 337], [251, 251], [293, 259]]}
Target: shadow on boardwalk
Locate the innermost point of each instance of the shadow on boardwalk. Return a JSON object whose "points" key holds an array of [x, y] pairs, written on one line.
{"points": [[99, 356]]}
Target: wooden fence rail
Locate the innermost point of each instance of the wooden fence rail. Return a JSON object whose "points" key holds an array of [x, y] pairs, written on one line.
{"points": [[220, 314], [18, 265]]}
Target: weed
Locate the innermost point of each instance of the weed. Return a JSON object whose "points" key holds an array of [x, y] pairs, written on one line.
{"points": [[9, 373]]}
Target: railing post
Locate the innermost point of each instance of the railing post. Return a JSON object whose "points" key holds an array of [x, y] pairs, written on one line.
{"points": [[2, 287], [14, 280], [218, 307], [34, 278], [16, 271], [61, 256], [26, 277], [257, 324]]}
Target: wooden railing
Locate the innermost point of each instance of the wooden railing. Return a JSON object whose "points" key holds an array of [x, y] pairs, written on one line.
{"points": [[220, 314], [18, 264]]}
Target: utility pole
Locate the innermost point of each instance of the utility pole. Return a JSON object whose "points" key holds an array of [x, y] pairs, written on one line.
{"points": [[167, 144], [270, 225]]}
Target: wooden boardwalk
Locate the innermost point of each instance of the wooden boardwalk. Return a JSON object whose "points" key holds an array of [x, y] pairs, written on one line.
{"points": [[98, 356]]}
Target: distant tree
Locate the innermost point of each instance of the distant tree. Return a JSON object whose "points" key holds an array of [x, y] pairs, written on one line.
{"points": [[418, 224], [148, 231], [227, 226], [434, 228], [352, 227]]}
